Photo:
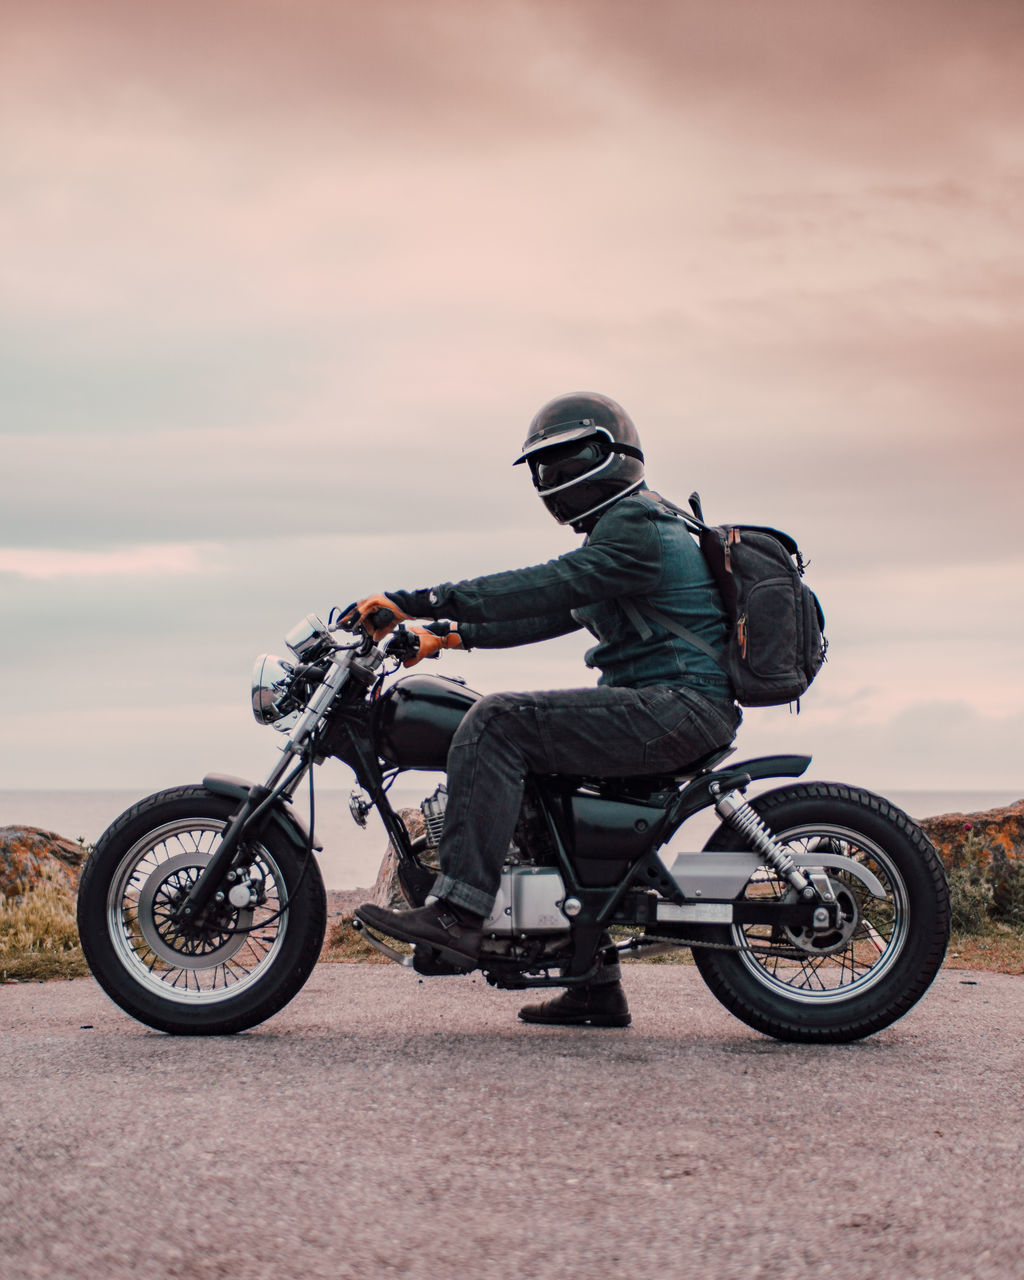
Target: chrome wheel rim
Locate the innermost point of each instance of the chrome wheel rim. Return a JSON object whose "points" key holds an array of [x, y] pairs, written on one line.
{"points": [[872, 935], [199, 966]]}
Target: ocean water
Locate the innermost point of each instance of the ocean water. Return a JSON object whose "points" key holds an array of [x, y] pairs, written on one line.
{"points": [[351, 855]]}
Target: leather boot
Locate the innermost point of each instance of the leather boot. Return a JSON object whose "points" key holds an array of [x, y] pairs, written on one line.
{"points": [[452, 932], [603, 1006]]}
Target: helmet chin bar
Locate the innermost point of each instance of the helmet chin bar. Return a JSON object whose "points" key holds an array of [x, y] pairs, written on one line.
{"points": [[587, 475], [576, 521]]}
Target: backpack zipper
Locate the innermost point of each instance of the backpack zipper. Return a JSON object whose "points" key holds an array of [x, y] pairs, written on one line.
{"points": [[734, 536]]}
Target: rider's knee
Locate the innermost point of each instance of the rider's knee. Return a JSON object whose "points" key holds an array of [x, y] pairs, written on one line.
{"points": [[490, 716]]}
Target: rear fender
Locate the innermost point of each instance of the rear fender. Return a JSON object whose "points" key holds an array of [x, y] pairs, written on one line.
{"points": [[702, 790], [738, 775]]}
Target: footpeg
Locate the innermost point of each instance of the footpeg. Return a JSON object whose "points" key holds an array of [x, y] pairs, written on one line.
{"points": [[380, 945]]}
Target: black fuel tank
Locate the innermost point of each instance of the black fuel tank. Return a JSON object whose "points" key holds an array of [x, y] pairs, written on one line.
{"points": [[415, 721]]}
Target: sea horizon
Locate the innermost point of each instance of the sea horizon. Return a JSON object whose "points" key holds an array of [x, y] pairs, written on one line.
{"points": [[351, 855]]}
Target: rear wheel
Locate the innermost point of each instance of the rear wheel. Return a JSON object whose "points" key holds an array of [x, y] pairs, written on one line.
{"points": [[243, 963], [879, 959]]}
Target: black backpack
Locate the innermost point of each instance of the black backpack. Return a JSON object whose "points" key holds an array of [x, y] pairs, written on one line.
{"points": [[776, 642]]}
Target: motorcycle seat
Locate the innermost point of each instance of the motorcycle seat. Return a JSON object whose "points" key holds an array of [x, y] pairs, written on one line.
{"points": [[647, 784]]}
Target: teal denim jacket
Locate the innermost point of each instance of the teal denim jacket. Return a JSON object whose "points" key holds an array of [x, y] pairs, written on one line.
{"points": [[637, 548]]}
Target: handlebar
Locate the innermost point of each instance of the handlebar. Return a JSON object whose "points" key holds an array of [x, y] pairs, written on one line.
{"points": [[378, 619], [349, 620], [338, 619], [401, 644]]}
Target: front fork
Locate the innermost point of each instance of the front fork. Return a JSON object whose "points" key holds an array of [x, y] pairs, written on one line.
{"points": [[262, 798], [255, 807]]}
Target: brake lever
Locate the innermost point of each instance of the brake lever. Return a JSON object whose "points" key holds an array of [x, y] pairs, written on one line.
{"points": [[350, 621], [345, 619], [401, 644]]}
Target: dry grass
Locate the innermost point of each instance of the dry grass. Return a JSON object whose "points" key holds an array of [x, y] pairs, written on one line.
{"points": [[986, 890], [343, 945], [38, 941], [43, 966], [38, 936], [1000, 950]]}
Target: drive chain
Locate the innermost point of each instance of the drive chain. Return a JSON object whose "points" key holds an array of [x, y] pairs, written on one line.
{"points": [[782, 952], [708, 946]]}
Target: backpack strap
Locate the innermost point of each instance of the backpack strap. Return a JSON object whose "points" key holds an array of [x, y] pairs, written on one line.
{"points": [[693, 522], [637, 610], [629, 608]]}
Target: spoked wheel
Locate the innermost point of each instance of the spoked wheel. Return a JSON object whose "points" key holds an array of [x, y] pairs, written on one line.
{"points": [[247, 957], [881, 955]]}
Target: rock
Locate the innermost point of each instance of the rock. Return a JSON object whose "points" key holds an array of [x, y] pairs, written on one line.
{"points": [[29, 855], [996, 843], [387, 892], [996, 828]]}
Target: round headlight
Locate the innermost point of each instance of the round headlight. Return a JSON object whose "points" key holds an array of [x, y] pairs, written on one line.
{"points": [[272, 699], [309, 639]]}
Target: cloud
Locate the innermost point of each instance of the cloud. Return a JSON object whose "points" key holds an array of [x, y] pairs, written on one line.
{"points": [[933, 744], [867, 83], [524, 68], [152, 561], [453, 67], [292, 279]]}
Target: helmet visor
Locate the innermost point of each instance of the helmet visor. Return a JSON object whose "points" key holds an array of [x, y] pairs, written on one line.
{"points": [[565, 464]]}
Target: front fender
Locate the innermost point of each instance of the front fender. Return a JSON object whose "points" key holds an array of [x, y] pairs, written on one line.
{"points": [[281, 812]]}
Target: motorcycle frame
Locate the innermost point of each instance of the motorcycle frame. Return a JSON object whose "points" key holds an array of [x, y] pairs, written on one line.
{"points": [[599, 905], [346, 733]]}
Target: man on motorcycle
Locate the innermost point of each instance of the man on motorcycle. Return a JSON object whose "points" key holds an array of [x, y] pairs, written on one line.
{"points": [[660, 702]]}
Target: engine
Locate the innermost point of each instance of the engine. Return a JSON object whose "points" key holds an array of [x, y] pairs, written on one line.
{"points": [[433, 810], [530, 898]]}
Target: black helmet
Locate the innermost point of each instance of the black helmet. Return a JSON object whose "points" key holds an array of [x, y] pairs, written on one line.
{"points": [[584, 453]]}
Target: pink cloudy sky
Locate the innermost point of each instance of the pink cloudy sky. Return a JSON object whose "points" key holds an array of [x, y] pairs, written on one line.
{"points": [[283, 283]]}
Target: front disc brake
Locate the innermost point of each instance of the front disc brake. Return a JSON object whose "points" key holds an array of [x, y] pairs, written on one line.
{"points": [[186, 946]]}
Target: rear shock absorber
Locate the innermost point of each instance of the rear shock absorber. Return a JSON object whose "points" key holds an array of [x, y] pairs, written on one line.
{"points": [[735, 810]]}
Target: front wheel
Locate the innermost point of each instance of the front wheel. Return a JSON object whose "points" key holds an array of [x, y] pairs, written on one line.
{"points": [[835, 986], [243, 963]]}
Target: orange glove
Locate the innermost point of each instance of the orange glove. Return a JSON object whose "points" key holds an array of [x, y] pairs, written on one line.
{"points": [[431, 644], [378, 614]]}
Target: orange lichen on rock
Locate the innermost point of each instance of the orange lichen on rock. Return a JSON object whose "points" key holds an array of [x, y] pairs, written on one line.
{"points": [[985, 847], [29, 856], [994, 828]]}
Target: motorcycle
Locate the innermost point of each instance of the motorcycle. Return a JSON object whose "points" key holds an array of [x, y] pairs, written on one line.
{"points": [[816, 912]]}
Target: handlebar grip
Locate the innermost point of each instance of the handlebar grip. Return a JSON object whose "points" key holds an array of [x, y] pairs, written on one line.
{"points": [[379, 618], [402, 644]]}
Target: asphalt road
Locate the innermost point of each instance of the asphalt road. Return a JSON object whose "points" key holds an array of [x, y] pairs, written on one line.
{"points": [[384, 1126]]}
